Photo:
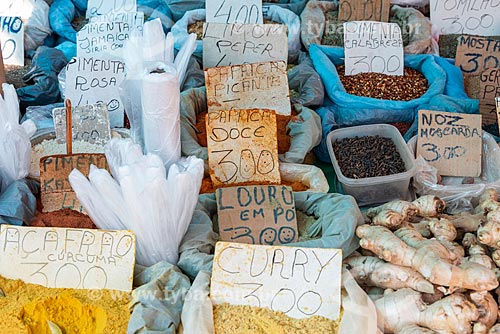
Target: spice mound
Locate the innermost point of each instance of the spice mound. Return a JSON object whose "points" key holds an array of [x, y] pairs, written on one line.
{"points": [[26, 308], [230, 319], [369, 156], [411, 85], [63, 218]]}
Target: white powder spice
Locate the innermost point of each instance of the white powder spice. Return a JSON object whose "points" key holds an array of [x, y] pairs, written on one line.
{"points": [[50, 147]]}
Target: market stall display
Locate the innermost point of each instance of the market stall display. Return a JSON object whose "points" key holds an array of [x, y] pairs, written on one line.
{"points": [[205, 136]]}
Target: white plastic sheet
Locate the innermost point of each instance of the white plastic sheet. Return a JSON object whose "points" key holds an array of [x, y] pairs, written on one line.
{"points": [[142, 198], [457, 195], [15, 144]]}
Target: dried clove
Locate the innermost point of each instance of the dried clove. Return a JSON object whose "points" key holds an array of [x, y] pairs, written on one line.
{"points": [[369, 156]]}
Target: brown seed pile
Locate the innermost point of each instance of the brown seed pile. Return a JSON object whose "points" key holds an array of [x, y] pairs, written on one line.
{"points": [[197, 28], [409, 86], [368, 156]]}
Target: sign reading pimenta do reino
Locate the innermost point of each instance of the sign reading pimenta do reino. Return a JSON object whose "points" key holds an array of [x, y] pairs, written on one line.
{"points": [[68, 257], [301, 282], [451, 142], [257, 214], [373, 47]]}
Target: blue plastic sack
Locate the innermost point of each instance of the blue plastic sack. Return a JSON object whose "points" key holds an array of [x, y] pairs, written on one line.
{"points": [[17, 204], [61, 14], [337, 217], [356, 110]]}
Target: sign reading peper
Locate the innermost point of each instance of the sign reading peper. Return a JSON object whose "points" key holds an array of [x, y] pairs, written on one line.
{"points": [[475, 17], [259, 85], [362, 10], [235, 44], [242, 147], [91, 80], [68, 257], [373, 47], [104, 36], [301, 282], [262, 215], [105, 7], [489, 89], [90, 124], [12, 40], [476, 54], [234, 11], [451, 142]]}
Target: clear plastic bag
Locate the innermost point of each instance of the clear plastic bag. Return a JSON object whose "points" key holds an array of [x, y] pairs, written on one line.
{"points": [[141, 197], [458, 197]]}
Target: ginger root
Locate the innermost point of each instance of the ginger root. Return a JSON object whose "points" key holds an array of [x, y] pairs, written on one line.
{"points": [[406, 209], [442, 229], [429, 206], [388, 218], [487, 307], [415, 329], [488, 234], [372, 271]]}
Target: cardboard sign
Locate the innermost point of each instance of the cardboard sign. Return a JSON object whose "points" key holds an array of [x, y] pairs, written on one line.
{"points": [[90, 124], [362, 10], [92, 80], [242, 147], [373, 47], [262, 215], [451, 142], [235, 44], [473, 17], [497, 100], [301, 282], [234, 11], [489, 89], [68, 257], [104, 7], [56, 191], [12, 40], [104, 36], [476, 54], [260, 85]]}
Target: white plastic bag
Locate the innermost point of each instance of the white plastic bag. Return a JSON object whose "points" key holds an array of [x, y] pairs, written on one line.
{"points": [[458, 197], [15, 144], [360, 315], [142, 198]]}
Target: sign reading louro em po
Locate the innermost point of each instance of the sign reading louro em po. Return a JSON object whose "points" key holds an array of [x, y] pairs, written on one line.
{"points": [[451, 142], [68, 257], [262, 215], [242, 147], [301, 282]]}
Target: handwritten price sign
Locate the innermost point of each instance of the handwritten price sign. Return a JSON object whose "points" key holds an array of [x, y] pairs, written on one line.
{"points": [[68, 257], [243, 147], [476, 54], [451, 142], [301, 282], [105, 7], [12, 39], [475, 17], [257, 214], [234, 11]]}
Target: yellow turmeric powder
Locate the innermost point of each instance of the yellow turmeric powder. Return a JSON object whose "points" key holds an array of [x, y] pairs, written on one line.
{"points": [[232, 319], [26, 308]]}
